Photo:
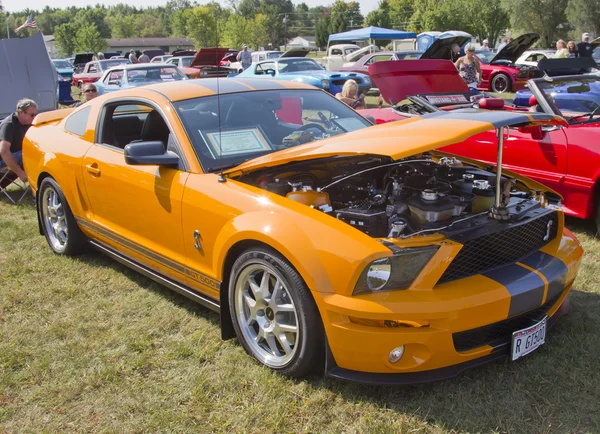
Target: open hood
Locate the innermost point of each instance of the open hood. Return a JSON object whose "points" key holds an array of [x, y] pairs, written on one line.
{"points": [[26, 72], [83, 58], [442, 46], [513, 50], [399, 79], [403, 139], [296, 52], [209, 56], [356, 55]]}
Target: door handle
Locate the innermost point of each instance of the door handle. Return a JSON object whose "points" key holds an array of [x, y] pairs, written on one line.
{"points": [[93, 169]]}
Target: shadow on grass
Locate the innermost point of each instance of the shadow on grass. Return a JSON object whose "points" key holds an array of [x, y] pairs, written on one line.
{"points": [[555, 388], [587, 226]]}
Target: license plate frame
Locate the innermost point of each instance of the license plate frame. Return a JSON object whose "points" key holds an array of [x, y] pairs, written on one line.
{"points": [[525, 341]]}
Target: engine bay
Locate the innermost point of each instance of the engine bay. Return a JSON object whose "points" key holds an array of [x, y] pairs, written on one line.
{"points": [[395, 199]]}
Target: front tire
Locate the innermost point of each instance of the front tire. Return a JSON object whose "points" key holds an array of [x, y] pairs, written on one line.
{"points": [[500, 83], [58, 223], [273, 313]]}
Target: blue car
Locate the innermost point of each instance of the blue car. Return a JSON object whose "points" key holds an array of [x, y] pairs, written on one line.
{"points": [[307, 71], [64, 68], [125, 76]]}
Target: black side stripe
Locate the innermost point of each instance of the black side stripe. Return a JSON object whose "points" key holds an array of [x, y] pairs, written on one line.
{"points": [[553, 269], [225, 85], [525, 287], [152, 255]]}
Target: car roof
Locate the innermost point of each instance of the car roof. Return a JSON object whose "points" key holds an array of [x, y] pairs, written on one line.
{"points": [[142, 66], [182, 90]]}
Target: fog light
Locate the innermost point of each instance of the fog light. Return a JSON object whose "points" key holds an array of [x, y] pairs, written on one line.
{"points": [[396, 354]]}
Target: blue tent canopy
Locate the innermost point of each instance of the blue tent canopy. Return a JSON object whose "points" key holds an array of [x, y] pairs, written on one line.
{"points": [[371, 33]]}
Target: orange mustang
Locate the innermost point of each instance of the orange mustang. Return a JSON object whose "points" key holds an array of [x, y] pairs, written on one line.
{"points": [[323, 244]]}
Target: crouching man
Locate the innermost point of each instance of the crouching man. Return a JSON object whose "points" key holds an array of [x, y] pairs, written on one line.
{"points": [[12, 132]]}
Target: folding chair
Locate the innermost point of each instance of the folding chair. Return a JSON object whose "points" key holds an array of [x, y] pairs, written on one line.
{"points": [[8, 178], [64, 93]]}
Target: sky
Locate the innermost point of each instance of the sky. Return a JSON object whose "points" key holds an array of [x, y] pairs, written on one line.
{"points": [[366, 6]]}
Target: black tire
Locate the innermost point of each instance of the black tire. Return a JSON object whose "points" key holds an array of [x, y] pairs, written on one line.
{"points": [[307, 353], [69, 242], [500, 83]]}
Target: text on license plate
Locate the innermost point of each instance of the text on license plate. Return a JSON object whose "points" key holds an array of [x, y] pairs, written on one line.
{"points": [[526, 340]]}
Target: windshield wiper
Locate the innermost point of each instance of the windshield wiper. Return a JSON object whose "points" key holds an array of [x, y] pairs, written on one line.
{"points": [[223, 167]]}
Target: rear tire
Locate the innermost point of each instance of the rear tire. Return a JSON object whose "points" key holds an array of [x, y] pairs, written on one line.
{"points": [[274, 315], [500, 83], [58, 223]]}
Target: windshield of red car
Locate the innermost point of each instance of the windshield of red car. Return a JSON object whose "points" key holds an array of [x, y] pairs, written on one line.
{"points": [[573, 97], [237, 127], [155, 74], [298, 65]]}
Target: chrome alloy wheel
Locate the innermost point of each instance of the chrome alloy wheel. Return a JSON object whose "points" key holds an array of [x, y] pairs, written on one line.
{"points": [[266, 315], [54, 219]]}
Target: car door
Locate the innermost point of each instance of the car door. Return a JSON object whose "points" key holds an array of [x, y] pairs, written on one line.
{"points": [[136, 209], [113, 81]]}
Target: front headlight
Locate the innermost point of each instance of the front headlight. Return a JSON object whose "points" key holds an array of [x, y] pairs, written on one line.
{"points": [[325, 84], [395, 272]]}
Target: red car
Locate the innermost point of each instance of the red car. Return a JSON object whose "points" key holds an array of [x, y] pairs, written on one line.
{"points": [[565, 159], [93, 70], [499, 72]]}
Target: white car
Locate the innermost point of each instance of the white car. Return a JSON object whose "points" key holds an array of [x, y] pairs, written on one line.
{"points": [[161, 59], [257, 56], [532, 57]]}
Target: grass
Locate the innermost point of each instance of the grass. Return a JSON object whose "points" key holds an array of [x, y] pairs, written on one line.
{"points": [[86, 345]]}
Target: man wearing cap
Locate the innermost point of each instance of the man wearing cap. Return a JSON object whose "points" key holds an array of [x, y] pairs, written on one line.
{"points": [[584, 47], [244, 57]]}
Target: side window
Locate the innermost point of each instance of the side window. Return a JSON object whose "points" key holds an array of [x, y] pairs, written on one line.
{"points": [[174, 62], [114, 77], [336, 52], [93, 68], [77, 122], [261, 69], [378, 58]]}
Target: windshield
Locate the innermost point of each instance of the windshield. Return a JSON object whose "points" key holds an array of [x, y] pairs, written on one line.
{"points": [[257, 123], [274, 54], [577, 99], [155, 74], [403, 55], [62, 64], [298, 65], [485, 56], [107, 64], [186, 61]]}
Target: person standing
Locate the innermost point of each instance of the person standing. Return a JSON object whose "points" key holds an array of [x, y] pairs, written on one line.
{"points": [[144, 58], [12, 132], [132, 57], [485, 45], [469, 68], [584, 48], [503, 44], [244, 57]]}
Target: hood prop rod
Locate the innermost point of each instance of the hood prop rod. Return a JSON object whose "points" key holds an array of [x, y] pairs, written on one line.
{"points": [[498, 211]]}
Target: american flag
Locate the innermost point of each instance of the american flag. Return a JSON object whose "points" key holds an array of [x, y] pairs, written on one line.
{"points": [[29, 22]]}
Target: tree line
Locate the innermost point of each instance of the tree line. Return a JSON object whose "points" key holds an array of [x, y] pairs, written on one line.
{"points": [[263, 22]]}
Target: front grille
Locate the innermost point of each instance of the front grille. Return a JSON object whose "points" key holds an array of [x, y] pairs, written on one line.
{"points": [[500, 333], [496, 249]]}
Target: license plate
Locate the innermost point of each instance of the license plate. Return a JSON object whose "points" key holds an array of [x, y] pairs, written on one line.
{"points": [[527, 340]]}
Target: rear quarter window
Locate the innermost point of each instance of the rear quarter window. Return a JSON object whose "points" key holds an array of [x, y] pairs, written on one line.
{"points": [[77, 122]]}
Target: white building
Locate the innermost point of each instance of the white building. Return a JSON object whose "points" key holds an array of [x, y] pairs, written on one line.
{"points": [[302, 41]]}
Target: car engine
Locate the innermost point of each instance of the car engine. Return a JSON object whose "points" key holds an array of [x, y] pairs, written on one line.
{"points": [[391, 199]]}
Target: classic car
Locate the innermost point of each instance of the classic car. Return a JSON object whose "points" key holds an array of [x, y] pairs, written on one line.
{"points": [[325, 243], [64, 68], [140, 74], [363, 63], [232, 63], [93, 71], [501, 73], [532, 57], [205, 63], [566, 160], [305, 70], [161, 59]]}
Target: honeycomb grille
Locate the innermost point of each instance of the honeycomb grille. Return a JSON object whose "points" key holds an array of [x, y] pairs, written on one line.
{"points": [[494, 250], [500, 333]]}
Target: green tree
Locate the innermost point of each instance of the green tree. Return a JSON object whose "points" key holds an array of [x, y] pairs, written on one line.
{"points": [[540, 16], [123, 26], [179, 20], [236, 32], [248, 8], [260, 30], [322, 31], [401, 12], [88, 39], [380, 17], [584, 15], [339, 17], [148, 26], [488, 19], [65, 36], [201, 26], [354, 16], [94, 16]]}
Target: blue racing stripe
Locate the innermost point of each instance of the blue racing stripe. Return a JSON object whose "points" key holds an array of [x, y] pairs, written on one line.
{"points": [[553, 269], [525, 287]]}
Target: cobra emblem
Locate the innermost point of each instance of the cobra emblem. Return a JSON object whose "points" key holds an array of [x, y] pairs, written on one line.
{"points": [[548, 229]]}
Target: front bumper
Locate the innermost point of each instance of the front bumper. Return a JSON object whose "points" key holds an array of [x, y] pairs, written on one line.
{"points": [[466, 322]]}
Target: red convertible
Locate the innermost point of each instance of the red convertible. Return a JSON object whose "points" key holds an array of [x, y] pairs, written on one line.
{"points": [[565, 159], [94, 70]]}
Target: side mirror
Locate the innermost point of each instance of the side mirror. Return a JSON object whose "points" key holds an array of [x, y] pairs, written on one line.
{"points": [[271, 72], [149, 153], [536, 131]]}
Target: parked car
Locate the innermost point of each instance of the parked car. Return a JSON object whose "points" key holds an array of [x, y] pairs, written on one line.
{"points": [[282, 226], [307, 71], [203, 64], [363, 63], [140, 74], [532, 57], [565, 159], [64, 68], [93, 70], [161, 59]]}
